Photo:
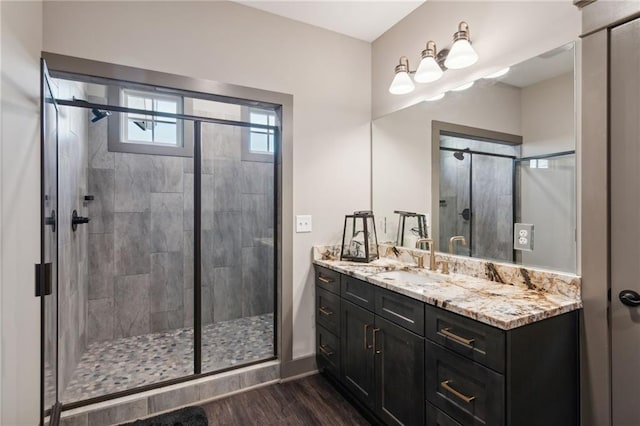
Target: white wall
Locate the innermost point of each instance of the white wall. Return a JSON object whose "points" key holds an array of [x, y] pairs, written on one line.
{"points": [[327, 74], [503, 34], [21, 42], [548, 117]]}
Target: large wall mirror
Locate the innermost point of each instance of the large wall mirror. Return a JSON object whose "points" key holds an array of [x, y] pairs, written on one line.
{"points": [[494, 164]]}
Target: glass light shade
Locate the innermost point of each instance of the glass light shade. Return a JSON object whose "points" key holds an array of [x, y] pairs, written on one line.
{"points": [[428, 70], [461, 55], [499, 73], [435, 98], [401, 84], [463, 87]]}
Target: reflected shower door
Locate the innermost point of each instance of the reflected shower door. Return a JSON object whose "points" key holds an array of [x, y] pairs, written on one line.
{"points": [[547, 193], [455, 200], [492, 199]]}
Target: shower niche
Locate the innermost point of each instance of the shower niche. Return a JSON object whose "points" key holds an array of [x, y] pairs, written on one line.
{"points": [[165, 234]]}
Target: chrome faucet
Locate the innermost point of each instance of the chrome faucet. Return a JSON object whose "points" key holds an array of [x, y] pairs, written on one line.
{"points": [[432, 252], [452, 241]]}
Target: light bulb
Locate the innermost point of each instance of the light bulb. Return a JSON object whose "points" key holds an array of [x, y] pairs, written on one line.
{"points": [[463, 87], [499, 73], [435, 98], [428, 70], [401, 84], [461, 55]]}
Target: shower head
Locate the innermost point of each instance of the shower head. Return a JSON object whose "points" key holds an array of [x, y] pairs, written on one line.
{"points": [[99, 114], [459, 155]]}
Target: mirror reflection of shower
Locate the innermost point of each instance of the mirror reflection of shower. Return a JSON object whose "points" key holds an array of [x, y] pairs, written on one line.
{"points": [[476, 196]]}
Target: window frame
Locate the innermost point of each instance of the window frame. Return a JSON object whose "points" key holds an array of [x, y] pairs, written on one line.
{"points": [[247, 154], [118, 121]]}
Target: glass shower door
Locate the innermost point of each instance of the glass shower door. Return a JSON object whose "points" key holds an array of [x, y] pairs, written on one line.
{"points": [[237, 207], [47, 274]]}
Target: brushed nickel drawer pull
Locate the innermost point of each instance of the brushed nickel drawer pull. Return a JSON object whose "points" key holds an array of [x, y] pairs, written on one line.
{"points": [[366, 344], [324, 280], [325, 311], [375, 350], [445, 385], [447, 333], [324, 350]]}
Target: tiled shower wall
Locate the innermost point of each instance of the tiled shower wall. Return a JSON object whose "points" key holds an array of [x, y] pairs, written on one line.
{"points": [[141, 236], [73, 262]]}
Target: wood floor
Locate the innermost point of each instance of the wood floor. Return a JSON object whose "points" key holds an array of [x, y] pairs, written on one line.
{"points": [[308, 401]]}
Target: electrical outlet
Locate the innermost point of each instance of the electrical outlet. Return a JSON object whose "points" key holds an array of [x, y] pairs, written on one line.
{"points": [[303, 223], [523, 236]]}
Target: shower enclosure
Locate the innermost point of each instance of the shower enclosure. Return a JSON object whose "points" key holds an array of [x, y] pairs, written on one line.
{"points": [[159, 236]]}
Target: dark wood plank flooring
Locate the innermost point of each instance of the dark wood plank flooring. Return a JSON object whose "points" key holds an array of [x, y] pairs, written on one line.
{"points": [[307, 401]]}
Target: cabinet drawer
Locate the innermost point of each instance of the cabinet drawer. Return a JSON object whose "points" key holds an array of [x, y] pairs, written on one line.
{"points": [[328, 279], [467, 391], [402, 310], [328, 310], [436, 417], [472, 339], [356, 291], [328, 351]]}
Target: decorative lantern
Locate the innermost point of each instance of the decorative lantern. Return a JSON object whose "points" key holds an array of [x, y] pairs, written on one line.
{"points": [[411, 227], [359, 240]]}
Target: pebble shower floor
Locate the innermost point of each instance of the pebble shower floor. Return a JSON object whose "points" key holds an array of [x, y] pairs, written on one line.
{"points": [[126, 363]]}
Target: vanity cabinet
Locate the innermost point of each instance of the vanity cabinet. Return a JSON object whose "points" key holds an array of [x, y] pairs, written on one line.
{"points": [[407, 362]]}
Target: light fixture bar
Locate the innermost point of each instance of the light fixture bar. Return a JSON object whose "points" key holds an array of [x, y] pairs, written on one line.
{"points": [[433, 64]]}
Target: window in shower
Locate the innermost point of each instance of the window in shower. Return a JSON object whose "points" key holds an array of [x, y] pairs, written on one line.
{"points": [[174, 274], [149, 124], [259, 144], [150, 129]]}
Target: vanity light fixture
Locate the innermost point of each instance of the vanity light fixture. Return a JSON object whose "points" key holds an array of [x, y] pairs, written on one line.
{"points": [[429, 70], [461, 54], [499, 73], [435, 98], [433, 63], [402, 83], [463, 87]]}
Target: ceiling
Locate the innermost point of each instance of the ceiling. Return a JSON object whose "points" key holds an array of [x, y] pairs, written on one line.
{"points": [[362, 19]]}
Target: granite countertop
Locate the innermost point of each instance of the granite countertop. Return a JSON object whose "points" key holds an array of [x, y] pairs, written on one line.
{"points": [[498, 304]]}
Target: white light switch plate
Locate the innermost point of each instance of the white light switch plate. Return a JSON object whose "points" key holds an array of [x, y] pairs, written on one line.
{"points": [[523, 236], [303, 223]]}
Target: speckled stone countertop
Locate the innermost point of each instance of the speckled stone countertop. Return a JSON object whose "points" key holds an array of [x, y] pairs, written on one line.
{"points": [[499, 304]]}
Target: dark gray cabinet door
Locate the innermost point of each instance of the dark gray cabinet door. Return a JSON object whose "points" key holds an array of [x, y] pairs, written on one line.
{"points": [[399, 372], [357, 350]]}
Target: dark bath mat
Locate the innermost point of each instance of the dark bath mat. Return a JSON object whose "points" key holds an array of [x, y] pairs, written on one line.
{"points": [[190, 416]]}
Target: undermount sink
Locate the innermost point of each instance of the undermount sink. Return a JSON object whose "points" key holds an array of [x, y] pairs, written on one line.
{"points": [[410, 277]]}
